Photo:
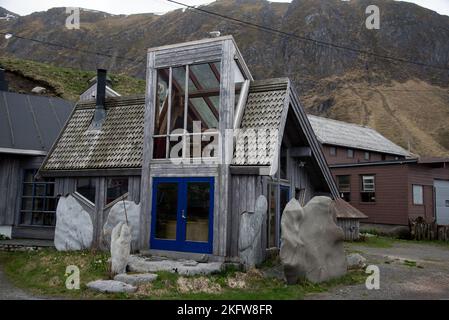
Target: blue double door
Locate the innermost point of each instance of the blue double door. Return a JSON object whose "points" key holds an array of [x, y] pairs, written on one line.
{"points": [[182, 214]]}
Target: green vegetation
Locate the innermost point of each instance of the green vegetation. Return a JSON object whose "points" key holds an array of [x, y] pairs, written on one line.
{"points": [[43, 273], [376, 241], [68, 83]]}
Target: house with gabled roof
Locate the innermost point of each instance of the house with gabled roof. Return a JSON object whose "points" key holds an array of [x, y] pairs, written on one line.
{"points": [[389, 184], [195, 152], [29, 125]]}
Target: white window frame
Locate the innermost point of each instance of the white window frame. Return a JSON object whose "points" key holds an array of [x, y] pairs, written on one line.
{"points": [[364, 183]]}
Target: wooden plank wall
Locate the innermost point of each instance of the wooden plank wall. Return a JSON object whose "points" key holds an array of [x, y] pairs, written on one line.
{"points": [[244, 192], [350, 227], [189, 54], [10, 184]]}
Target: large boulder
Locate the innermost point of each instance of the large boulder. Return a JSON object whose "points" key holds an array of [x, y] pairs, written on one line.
{"points": [[116, 215], [312, 243], [250, 234], [120, 248], [74, 228]]}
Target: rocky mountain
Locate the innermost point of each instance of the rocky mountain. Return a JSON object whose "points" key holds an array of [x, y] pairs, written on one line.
{"points": [[407, 102]]}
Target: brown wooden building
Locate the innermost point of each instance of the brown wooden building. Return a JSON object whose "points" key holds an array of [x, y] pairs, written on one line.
{"points": [[381, 179]]}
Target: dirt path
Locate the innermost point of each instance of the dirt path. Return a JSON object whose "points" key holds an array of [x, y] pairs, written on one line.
{"points": [[407, 271], [10, 292]]}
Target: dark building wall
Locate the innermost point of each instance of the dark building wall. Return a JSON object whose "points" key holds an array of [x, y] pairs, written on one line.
{"points": [[341, 155], [10, 173], [394, 191], [391, 192], [424, 174]]}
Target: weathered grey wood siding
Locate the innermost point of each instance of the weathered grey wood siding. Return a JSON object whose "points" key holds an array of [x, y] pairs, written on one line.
{"points": [[245, 190], [350, 227], [188, 54], [10, 184]]}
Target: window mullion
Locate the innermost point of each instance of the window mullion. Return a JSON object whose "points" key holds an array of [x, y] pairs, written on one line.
{"points": [[167, 139], [186, 104]]}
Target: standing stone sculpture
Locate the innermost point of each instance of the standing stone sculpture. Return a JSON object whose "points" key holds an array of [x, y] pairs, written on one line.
{"points": [[250, 237], [311, 242], [120, 248], [74, 228], [116, 215]]}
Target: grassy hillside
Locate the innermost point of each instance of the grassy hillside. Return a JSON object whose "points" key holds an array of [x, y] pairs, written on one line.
{"points": [[66, 83]]}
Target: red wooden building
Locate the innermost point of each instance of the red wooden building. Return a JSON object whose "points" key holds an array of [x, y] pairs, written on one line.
{"points": [[381, 179]]}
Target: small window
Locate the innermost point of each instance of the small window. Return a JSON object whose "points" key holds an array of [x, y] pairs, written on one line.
{"points": [[116, 187], [350, 153], [333, 151], [384, 157], [418, 198], [367, 156], [86, 188], [368, 192], [38, 200], [344, 187]]}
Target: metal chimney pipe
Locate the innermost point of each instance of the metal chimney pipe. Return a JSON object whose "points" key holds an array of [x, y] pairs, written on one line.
{"points": [[3, 82], [101, 87], [100, 111]]}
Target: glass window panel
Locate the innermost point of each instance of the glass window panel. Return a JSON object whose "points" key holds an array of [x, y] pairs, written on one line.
{"points": [[204, 111], [176, 147], [50, 191], [40, 190], [178, 99], [39, 204], [418, 195], [160, 119], [115, 188], [350, 153], [205, 76], [166, 210], [159, 148], [27, 189], [368, 184], [238, 75], [344, 184], [50, 204], [37, 218], [86, 187], [27, 203], [203, 146], [197, 215], [201, 107]]}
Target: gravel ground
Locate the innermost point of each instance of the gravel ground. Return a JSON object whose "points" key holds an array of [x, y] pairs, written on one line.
{"points": [[407, 271], [9, 292]]}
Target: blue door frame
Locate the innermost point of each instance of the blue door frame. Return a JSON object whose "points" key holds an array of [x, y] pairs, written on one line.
{"points": [[180, 243]]}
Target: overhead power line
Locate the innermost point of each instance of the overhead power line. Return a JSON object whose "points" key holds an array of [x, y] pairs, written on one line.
{"points": [[47, 43], [307, 39]]}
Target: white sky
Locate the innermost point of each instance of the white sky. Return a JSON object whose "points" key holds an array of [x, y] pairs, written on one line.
{"points": [[24, 7]]}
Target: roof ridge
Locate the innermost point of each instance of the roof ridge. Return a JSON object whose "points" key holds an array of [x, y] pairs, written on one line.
{"points": [[344, 122]]}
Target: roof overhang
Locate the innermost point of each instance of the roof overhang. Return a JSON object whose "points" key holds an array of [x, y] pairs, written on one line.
{"points": [[23, 152]]}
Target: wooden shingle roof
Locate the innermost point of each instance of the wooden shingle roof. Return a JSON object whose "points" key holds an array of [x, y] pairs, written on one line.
{"points": [[262, 116], [117, 145]]}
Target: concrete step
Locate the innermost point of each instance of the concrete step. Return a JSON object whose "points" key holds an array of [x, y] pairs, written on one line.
{"points": [[141, 264]]}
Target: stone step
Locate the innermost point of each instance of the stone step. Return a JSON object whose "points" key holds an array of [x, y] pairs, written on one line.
{"points": [[182, 267], [136, 279], [111, 286]]}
